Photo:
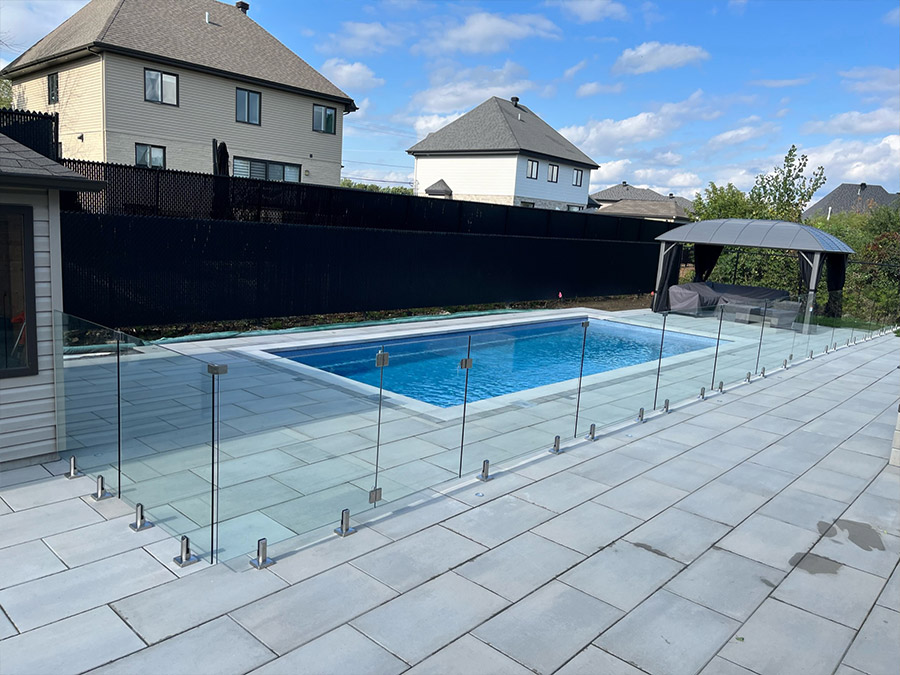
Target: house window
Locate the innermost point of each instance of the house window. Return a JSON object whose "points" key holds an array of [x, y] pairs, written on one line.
{"points": [[53, 88], [527, 205], [160, 87], [532, 169], [323, 119], [572, 207], [150, 156], [18, 345], [247, 106], [261, 169], [577, 177], [553, 173]]}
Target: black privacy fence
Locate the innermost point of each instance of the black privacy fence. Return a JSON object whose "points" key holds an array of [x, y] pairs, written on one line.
{"points": [[138, 270], [35, 130], [139, 191]]}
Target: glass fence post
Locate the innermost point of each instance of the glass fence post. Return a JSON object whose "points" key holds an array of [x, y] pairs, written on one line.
{"points": [[662, 339], [712, 384], [381, 362], [215, 371], [118, 415], [584, 325], [762, 327], [465, 365]]}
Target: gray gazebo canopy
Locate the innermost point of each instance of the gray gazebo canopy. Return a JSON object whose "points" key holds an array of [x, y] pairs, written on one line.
{"points": [[709, 237]]}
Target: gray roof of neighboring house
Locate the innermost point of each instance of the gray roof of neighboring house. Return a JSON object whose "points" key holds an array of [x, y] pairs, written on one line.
{"points": [[23, 167], [176, 31], [439, 188], [623, 190], [498, 126], [852, 197], [640, 208], [779, 234]]}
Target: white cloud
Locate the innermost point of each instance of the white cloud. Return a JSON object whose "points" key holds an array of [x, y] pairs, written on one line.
{"points": [[670, 178], [363, 38], [892, 18], [855, 122], [594, 88], [871, 80], [741, 135], [359, 174], [604, 137], [876, 162], [349, 76], [570, 72], [457, 90], [652, 56], [779, 84], [486, 33], [668, 158], [426, 124], [587, 11], [737, 5], [650, 11], [781, 113], [609, 172], [24, 23]]}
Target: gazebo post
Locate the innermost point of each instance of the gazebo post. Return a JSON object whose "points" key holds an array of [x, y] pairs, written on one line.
{"points": [[811, 298]]}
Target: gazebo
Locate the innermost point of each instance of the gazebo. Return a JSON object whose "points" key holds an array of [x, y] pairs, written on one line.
{"points": [[814, 248]]}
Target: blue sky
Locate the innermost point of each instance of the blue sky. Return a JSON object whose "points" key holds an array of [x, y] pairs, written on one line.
{"points": [[668, 95]]}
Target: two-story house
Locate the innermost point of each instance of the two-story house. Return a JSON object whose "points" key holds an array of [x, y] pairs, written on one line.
{"points": [[502, 153], [153, 82]]}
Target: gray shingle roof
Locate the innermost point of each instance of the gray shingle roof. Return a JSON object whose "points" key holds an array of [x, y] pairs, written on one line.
{"points": [[623, 190], [852, 197], [176, 30], [498, 126], [641, 208], [439, 188], [24, 167], [778, 234]]}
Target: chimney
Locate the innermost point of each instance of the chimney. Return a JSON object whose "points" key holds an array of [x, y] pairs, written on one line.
{"points": [[243, 6], [862, 186], [624, 182], [671, 195], [515, 101]]}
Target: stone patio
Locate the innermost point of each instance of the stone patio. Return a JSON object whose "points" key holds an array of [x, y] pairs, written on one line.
{"points": [[753, 532]]}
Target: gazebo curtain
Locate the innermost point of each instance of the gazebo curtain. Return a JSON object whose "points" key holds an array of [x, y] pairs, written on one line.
{"points": [[669, 269], [705, 258]]}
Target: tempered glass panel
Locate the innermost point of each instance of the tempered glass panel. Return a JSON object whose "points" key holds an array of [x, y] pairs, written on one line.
{"points": [[739, 343], [783, 318]]}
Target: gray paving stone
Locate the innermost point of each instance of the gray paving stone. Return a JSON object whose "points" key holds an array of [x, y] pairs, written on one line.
{"points": [[47, 491], [890, 596], [25, 562], [295, 565], [612, 468], [831, 590], [622, 575], [42, 521], [498, 520], [791, 460], [782, 640], [587, 528], [9, 477], [753, 439], [730, 584], [560, 492], [343, 650], [70, 646], [275, 621], [756, 479], [420, 622], [418, 558], [668, 634], [6, 627], [593, 660], [521, 631], [468, 655], [837, 486], [684, 473], [861, 546], [519, 566], [49, 599], [802, 509], [721, 502], [689, 433], [220, 646], [876, 650], [880, 512], [719, 666], [101, 540], [887, 484], [678, 534], [477, 493], [853, 463], [199, 597], [654, 449], [769, 541], [719, 455], [641, 497]]}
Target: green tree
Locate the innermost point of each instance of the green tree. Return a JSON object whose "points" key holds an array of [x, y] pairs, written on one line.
{"points": [[785, 192], [723, 202], [6, 96], [372, 187]]}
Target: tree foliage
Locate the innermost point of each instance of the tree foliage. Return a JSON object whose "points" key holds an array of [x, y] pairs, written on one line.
{"points": [[372, 187], [785, 192], [723, 202], [6, 95]]}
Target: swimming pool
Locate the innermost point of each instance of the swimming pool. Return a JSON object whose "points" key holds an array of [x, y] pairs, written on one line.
{"points": [[505, 359]]}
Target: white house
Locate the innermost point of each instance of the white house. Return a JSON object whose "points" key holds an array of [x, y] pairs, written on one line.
{"points": [[502, 153], [154, 82], [30, 293]]}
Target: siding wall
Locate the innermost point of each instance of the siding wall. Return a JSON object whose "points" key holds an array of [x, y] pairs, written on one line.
{"points": [[540, 190], [27, 404], [80, 105], [469, 177], [206, 110]]}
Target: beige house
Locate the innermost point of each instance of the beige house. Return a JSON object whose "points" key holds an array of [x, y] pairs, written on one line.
{"points": [[155, 82]]}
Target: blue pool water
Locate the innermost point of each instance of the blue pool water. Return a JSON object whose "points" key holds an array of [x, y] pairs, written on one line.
{"points": [[505, 360]]}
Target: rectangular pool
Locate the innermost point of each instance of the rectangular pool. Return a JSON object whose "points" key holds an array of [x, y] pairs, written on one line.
{"points": [[505, 359]]}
